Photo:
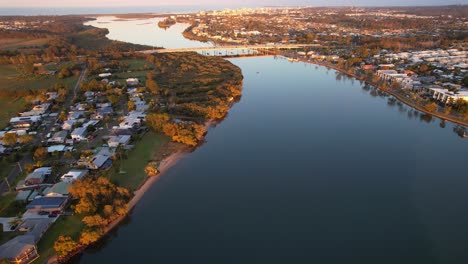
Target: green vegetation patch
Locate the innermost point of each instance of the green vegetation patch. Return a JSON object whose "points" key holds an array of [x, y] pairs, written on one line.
{"points": [[138, 158], [7, 205], [18, 43], [64, 226], [10, 108], [11, 79]]}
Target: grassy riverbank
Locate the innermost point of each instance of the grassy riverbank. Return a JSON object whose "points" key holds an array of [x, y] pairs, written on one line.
{"points": [[133, 168]]}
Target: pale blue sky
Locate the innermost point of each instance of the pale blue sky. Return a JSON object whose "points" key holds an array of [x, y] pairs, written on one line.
{"points": [[114, 3]]}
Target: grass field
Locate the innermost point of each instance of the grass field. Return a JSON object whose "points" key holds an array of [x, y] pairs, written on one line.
{"points": [[5, 204], [64, 226], [137, 63], [11, 79], [7, 236], [137, 160], [122, 77], [17, 43], [10, 107]]}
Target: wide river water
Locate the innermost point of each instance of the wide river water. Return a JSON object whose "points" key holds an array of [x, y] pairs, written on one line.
{"points": [[310, 166]]}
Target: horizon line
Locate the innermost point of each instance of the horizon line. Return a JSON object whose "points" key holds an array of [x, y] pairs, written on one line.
{"points": [[238, 6]]}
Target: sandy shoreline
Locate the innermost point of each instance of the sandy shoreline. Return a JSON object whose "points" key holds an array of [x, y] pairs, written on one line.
{"points": [[165, 165]]}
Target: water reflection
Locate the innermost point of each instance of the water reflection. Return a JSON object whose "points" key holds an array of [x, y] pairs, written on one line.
{"points": [[146, 32], [409, 112]]}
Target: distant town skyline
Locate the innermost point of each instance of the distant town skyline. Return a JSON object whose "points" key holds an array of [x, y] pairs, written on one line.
{"points": [[240, 3]]}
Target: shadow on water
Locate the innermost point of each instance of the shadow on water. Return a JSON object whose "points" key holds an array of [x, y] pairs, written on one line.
{"points": [[103, 242], [461, 131]]}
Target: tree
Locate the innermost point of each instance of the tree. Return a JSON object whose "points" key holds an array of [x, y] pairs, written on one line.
{"points": [[152, 169], [64, 73], [90, 236], [25, 139], [94, 194], [10, 139], [131, 105], [64, 245], [95, 221], [157, 121], [113, 99], [188, 133], [447, 110], [153, 86], [63, 116], [431, 107], [40, 153]]}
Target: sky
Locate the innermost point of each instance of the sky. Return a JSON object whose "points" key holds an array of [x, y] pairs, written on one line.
{"points": [[238, 3]]}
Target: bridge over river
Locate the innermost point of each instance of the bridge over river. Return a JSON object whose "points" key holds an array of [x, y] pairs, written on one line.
{"points": [[225, 48]]}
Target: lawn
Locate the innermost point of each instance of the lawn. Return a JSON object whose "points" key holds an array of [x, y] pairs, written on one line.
{"points": [[16, 43], [7, 236], [10, 107], [64, 226], [7, 206], [123, 76], [12, 80], [138, 158], [137, 63]]}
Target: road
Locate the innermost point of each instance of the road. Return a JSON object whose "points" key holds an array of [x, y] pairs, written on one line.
{"points": [[16, 171], [234, 47]]}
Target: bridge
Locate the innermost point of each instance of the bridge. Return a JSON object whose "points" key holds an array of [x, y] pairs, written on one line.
{"points": [[234, 47]]}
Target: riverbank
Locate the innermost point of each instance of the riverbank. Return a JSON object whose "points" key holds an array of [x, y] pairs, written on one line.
{"points": [[389, 91], [166, 164], [218, 75]]}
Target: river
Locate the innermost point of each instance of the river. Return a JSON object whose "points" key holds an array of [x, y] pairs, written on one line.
{"points": [[310, 166]]}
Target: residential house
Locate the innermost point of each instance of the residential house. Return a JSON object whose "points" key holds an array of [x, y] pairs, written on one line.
{"points": [[132, 82], [115, 141], [48, 204], [79, 134], [25, 121], [38, 176], [59, 189], [140, 105], [68, 124], [448, 97], [100, 160], [52, 95], [76, 115], [105, 75], [21, 249], [89, 94], [59, 137], [73, 175], [2, 149], [37, 110], [133, 120], [59, 148]]}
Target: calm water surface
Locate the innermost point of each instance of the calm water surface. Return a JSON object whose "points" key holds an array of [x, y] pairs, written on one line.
{"points": [[309, 167], [146, 32]]}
